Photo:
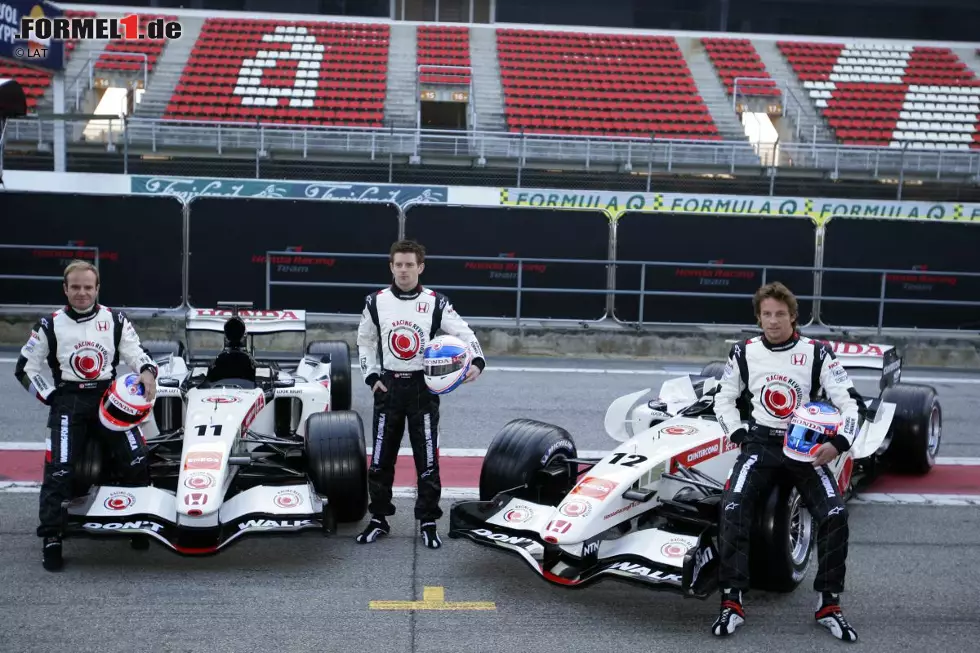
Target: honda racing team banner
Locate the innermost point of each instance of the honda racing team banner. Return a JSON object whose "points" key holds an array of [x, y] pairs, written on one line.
{"points": [[615, 203], [187, 188]]}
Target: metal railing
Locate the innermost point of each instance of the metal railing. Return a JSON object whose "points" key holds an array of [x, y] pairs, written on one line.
{"points": [[148, 135], [48, 277], [611, 291]]}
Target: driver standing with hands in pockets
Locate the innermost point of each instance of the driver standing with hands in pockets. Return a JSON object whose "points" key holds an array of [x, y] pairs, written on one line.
{"points": [[396, 324]]}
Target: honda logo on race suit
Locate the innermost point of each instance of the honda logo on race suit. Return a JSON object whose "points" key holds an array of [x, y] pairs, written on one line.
{"points": [[799, 359]]}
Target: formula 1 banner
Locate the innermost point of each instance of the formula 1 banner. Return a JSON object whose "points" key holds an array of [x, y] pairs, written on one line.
{"points": [[615, 203], [187, 188]]}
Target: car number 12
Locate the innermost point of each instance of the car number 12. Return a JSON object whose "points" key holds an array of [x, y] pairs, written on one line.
{"points": [[633, 459]]}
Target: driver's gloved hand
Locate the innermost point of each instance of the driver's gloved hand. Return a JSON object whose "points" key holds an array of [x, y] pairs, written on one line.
{"points": [[738, 436]]}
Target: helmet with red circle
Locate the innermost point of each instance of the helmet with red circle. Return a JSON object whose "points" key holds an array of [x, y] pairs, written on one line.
{"points": [[445, 362], [124, 404], [811, 426]]}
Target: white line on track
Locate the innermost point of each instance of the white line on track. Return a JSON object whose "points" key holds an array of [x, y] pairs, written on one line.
{"points": [[480, 453]]}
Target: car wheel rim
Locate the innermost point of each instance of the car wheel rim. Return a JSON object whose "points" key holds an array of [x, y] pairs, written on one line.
{"points": [[935, 432], [800, 529]]}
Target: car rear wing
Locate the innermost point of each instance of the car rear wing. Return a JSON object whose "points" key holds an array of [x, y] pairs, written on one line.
{"points": [[257, 322], [862, 356], [870, 356]]}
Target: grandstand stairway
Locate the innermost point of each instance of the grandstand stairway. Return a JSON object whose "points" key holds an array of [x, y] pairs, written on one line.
{"points": [[401, 97], [163, 80], [712, 91], [488, 93], [811, 123]]}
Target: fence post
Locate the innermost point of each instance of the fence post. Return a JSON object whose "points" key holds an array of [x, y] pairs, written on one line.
{"points": [[268, 281], [881, 302], [520, 285], [643, 288]]}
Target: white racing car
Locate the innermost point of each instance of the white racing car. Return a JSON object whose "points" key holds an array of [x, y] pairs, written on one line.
{"points": [[238, 445], [648, 511]]}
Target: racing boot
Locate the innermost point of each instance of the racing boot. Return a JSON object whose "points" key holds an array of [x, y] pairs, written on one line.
{"points": [[52, 559], [829, 616], [731, 616], [430, 537], [377, 527]]}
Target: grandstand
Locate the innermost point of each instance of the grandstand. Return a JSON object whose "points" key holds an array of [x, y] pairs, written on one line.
{"points": [[564, 97]]}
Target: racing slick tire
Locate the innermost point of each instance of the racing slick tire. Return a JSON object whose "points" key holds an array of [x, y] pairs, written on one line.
{"points": [[520, 449], [336, 462], [714, 369], [917, 427], [87, 468], [337, 353], [783, 540]]}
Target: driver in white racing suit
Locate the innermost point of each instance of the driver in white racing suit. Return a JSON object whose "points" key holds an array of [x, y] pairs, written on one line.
{"points": [[396, 325], [81, 345], [766, 379]]}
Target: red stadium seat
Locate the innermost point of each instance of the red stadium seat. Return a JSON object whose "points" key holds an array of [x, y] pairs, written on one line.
{"points": [[292, 72], [443, 46], [890, 95], [599, 85], [737, 58]]}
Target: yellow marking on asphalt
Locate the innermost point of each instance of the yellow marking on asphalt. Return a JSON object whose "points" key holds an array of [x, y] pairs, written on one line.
{"points": [[433, 598]]}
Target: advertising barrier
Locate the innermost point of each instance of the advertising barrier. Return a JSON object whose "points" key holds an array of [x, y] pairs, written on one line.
{"points": [[229, 237], [710, 243], [508, 233], [137, 242], [703, 255], [918, 248]]}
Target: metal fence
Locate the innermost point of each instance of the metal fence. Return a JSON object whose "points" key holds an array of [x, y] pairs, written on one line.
{"points": [[137, 136], [521, 291]]}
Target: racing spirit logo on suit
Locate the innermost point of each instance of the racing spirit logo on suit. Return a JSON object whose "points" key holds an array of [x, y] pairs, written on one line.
{"points": [[780, 395], [88, 360], [405, 340]]}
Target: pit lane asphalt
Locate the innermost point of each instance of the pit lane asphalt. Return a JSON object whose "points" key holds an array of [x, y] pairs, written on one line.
{"points": [[912, 585], [556, 393]]}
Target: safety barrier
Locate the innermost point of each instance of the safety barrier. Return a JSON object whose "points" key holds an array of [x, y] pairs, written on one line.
{"points": [[511, 264]]}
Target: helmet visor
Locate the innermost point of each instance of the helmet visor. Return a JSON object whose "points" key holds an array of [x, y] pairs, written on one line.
{"points": [[802, 439], [444, 366]]}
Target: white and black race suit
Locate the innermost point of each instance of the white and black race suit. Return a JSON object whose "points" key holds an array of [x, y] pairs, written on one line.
{"points": [[762, 385], [396, 326], [81, 353]]}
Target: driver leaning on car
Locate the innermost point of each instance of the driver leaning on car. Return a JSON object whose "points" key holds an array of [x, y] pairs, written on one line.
{"points": [[765, 380]]}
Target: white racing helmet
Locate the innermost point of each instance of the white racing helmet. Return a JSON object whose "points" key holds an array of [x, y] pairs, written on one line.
{"points": [[124, 404], [445, 362], [812, 426]]}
